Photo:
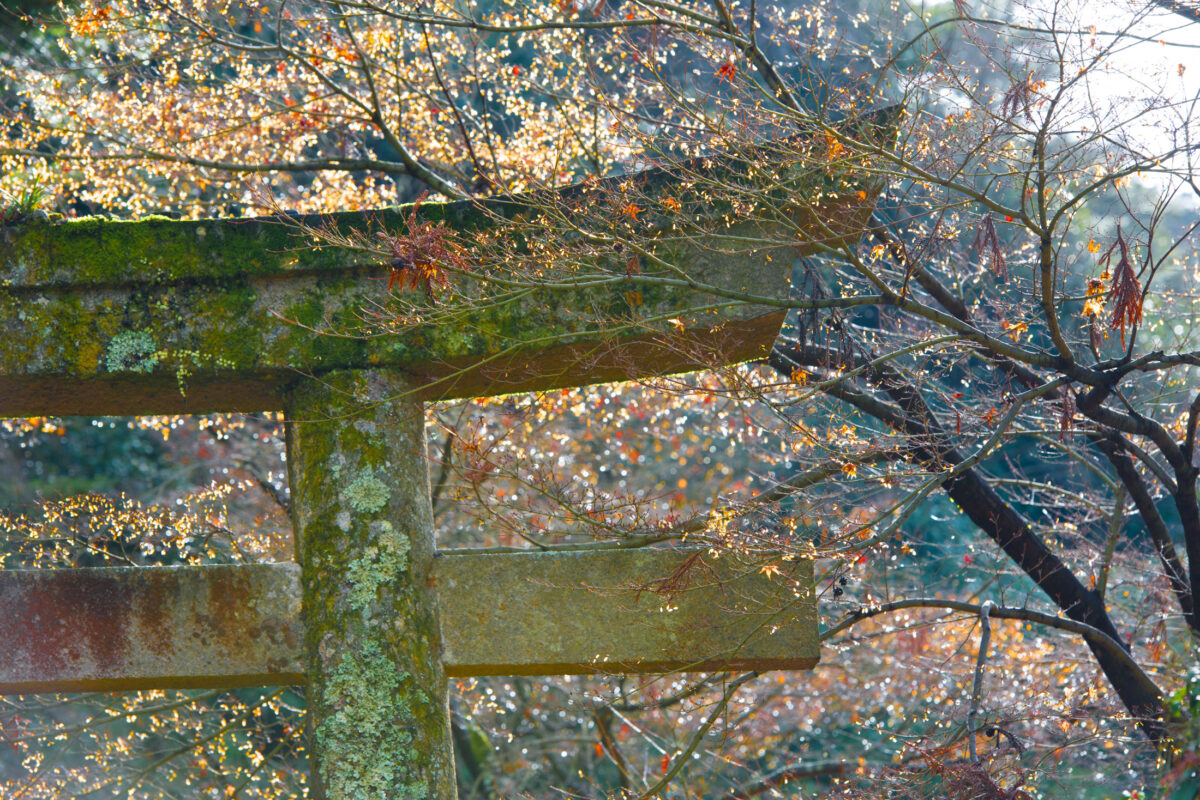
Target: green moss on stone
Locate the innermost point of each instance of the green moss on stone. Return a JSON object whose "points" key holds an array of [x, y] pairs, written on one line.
{"points": [[332, 311], [227, 313], [237, 309], [152, 249]]}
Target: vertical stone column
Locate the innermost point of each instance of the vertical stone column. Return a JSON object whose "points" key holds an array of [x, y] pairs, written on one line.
{"points": [[379, 727]]}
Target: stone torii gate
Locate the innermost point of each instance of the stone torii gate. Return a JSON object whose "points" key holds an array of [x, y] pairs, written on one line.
{"points": [[105, 318]]}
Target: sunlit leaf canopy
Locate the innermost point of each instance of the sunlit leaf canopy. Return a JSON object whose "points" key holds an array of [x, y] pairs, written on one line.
{"points": [[202, 107], [360, 91]]}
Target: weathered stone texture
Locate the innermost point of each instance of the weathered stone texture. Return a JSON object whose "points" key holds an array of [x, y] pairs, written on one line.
{"points": [[524, 613], [110, 629], [105, 317], [623, 611], [377, 692]]}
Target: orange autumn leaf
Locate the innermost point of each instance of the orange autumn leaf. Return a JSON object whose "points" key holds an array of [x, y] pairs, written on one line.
{"points": [[833, 148]]}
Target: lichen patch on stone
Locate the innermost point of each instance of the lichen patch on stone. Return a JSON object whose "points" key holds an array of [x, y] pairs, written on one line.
{"points": [[365, 738], [131, 351], [377, 566], [366, 494]]}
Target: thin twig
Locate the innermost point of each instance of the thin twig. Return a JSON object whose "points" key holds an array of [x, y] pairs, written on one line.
{"points": [[985, 636], [1115, 523]]}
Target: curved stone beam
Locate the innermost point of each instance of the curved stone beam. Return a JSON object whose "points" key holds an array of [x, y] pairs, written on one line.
{"points": [[103, 317]]}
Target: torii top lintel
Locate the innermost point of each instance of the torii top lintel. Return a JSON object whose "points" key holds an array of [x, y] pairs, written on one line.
{"points": [[104, 317]]}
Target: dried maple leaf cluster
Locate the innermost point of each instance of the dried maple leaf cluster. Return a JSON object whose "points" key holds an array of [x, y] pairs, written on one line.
{"points": [[1125, 292], [421, 255]]}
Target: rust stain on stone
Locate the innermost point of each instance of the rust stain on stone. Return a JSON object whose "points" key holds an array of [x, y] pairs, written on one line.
{"points": [[80, 621], [153, 614], [233, 602], [131, 628]]}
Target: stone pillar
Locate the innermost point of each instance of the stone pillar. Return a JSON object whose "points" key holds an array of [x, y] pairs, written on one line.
{"points": [[379, 726]]}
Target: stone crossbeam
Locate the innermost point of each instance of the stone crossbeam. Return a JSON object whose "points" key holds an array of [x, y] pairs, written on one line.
{"points": [[102, 317], [527, 613]]}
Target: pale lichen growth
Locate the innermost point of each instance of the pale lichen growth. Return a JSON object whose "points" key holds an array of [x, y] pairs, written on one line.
{"points": [[377, 566], [366, 736], [392, 540], [366, 494], [131, 351], [365, 577], [188, 361]]}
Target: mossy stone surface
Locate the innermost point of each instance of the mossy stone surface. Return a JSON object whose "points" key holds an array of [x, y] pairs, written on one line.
{"points": [[380, 728], [162, 316]]}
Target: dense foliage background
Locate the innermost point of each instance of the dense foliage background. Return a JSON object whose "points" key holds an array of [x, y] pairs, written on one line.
{"points": [[1017, 325]]}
